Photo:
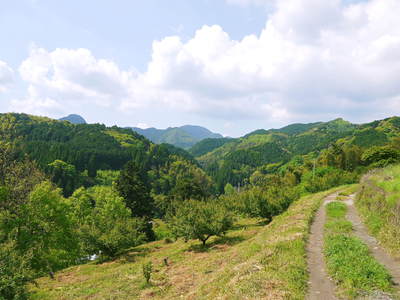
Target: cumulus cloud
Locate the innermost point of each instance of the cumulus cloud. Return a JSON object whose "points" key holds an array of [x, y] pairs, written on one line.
{"points": [[6, 76], [71, 77], [314, 57]]}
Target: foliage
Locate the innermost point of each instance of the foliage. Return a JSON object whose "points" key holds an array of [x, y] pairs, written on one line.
{"points": [[207, 145], [323, 178], [65, 176], [381, 156], [200, 220], [132, 184], [46, 229], [261, 202], [106, 177], [180, 181], [104, 223], [15, 273]]}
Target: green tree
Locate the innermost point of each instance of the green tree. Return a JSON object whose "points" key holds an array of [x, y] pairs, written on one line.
{"points": [[104, 223], [46, 229], [15, 272], [229, 189], [132, 184], [65, 176], [200, 220], [381, 156]]}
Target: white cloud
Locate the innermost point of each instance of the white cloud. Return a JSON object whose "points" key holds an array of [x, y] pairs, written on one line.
{"points": [[6, 76], [142, 125], [71, 77], [313, 58]]}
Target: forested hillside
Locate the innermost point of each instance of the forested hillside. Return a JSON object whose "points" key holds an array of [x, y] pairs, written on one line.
{"points": [[267, 151]]}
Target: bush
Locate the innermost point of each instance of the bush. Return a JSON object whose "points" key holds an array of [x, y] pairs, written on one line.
{"points": [[261, 202], [200, 220]]}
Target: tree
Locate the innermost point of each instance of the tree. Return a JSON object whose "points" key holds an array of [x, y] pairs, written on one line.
{"points": [[200, 220], [132, 185], [15, 272], [46, 229], [179, 181], [65, 176], [229, 189], [104, 223], [381, 156]]}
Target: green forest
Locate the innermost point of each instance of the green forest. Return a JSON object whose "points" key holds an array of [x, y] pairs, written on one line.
{"points": [[71, 194]]}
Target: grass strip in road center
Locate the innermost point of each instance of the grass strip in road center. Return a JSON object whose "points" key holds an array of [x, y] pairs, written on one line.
{"points": [[349, 261]]}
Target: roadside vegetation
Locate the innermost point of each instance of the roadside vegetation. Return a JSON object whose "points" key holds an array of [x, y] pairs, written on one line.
{"points": [[348, 259], [378, 202]]}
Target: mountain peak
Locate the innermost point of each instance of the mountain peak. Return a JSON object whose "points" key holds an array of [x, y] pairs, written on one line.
{"points": [[184, 137], [74, 119]]}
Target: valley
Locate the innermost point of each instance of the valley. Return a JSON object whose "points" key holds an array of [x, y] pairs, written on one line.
{"points": [[230, 218]]}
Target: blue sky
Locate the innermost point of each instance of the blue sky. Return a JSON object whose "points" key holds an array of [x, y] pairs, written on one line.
{"points": [[230, 65]]}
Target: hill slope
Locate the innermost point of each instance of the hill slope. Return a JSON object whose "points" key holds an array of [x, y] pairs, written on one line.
{"points": [[235, 160], [89, 147], [183, 137], [251, 262]]}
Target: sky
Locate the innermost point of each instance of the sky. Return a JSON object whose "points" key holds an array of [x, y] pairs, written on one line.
{"points": [[233, 66]]}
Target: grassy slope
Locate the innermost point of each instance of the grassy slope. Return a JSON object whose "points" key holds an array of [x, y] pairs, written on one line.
{"points": [[348, 259], [378, 202], [252, 262]]}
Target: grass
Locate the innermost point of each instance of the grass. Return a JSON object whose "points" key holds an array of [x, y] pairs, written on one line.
{"points": [[348, 259], [347, 191], [378, 202], [253, 261]]}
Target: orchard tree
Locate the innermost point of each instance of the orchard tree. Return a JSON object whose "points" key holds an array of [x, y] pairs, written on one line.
{"points": [[200, 220]]}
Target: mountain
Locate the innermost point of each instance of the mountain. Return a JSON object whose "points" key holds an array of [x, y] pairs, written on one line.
{"points": [[235, 160], [74, 119], [184, 137]]}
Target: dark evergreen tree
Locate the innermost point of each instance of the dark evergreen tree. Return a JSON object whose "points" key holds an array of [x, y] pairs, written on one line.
{"points": [[132, 184]]}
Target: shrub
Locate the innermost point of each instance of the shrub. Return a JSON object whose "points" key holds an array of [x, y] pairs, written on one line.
{"points": [[147, 269]]}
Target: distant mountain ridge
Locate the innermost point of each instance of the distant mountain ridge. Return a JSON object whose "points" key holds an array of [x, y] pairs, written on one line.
{"points": [[184, 136], [74, 119]]}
